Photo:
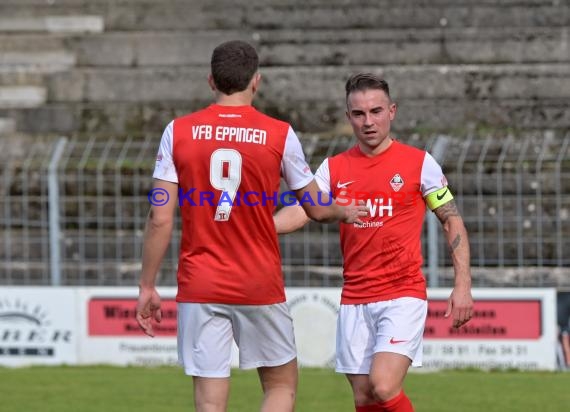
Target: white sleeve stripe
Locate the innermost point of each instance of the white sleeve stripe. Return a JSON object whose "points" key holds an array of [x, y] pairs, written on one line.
{"points": [[432, 177], [302, 184], [323, 176], [164, 168], [294, 168]]}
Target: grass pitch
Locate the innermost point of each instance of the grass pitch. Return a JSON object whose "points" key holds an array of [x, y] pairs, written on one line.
{"points": [[114, 389]]}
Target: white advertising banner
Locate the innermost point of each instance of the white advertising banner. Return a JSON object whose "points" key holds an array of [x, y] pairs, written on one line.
{"points": [[38, 326], [510, 328], [109, 332]]}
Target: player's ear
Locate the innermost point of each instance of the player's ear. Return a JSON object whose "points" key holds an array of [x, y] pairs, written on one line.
{"points": [[393, 110], [211, 82], [256, 79]]}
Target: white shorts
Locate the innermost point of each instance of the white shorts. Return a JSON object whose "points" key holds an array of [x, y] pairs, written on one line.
{"points": [[263, 334], [389, 326]]}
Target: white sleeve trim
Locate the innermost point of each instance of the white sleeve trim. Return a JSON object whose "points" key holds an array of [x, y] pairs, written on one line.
{"points": [[432, 177], [164, 168], [294, 168], [323, 176]]}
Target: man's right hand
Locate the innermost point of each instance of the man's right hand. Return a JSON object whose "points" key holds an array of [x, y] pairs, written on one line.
{"points": [[148, 308], [355, 211]]}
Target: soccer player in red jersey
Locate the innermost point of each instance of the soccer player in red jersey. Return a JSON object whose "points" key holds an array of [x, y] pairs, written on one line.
{"points": [[383, 304], [222, 165]]}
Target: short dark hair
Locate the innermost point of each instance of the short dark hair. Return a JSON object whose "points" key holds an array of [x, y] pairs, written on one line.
{"points": [[366, 81], [233, 65]]}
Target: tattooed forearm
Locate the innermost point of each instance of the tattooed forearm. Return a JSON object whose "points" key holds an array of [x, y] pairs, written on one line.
{"points": [[454, 244], [447, 210]]}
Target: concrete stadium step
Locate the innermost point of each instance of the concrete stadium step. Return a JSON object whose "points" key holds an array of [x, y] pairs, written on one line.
{"points": [[414, 46], [408, 15], [51, 23], [274, 14], [7, 126], [151, 48], [33, 42], [312, 98], [488, 216], [241, 3], [51, 119], [328, 47], [36, 62], [301, 83], [427, 116], [22, 97], [26, 59]]}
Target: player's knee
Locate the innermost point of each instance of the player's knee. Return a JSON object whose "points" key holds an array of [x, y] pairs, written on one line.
{"points": [[362, 392], [289, 393], [385, 390], [284, 389]]}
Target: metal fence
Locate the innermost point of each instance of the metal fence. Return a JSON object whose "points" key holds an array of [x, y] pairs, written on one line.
{"points": [[72, 212]]}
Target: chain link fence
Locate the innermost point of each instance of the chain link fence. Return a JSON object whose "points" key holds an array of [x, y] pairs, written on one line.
{"points": [[72, 212]]}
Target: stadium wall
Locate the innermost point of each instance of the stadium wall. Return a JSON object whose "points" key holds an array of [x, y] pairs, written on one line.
{"points": [[126, 67]]}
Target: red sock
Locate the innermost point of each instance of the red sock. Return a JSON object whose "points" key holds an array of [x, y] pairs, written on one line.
{"points": [[399, 403]]}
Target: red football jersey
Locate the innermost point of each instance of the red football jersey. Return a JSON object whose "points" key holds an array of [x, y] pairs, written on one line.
{"points": [[228, 162], [382, 257]]}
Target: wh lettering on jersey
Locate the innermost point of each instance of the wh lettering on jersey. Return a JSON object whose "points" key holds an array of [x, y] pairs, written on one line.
{"points": [[377, 207], [229, 134], [378, 202]]}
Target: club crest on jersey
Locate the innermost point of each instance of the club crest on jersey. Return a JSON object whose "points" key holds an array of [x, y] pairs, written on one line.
{"points": [[397, 182]]}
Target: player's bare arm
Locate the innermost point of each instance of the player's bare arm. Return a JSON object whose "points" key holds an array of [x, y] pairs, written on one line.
{"points": [[322, 212], [460, 304], [290, 219], [157, 235]]}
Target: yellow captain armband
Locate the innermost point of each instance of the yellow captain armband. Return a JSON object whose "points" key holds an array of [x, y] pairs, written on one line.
{"points": [[438, 198]]}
